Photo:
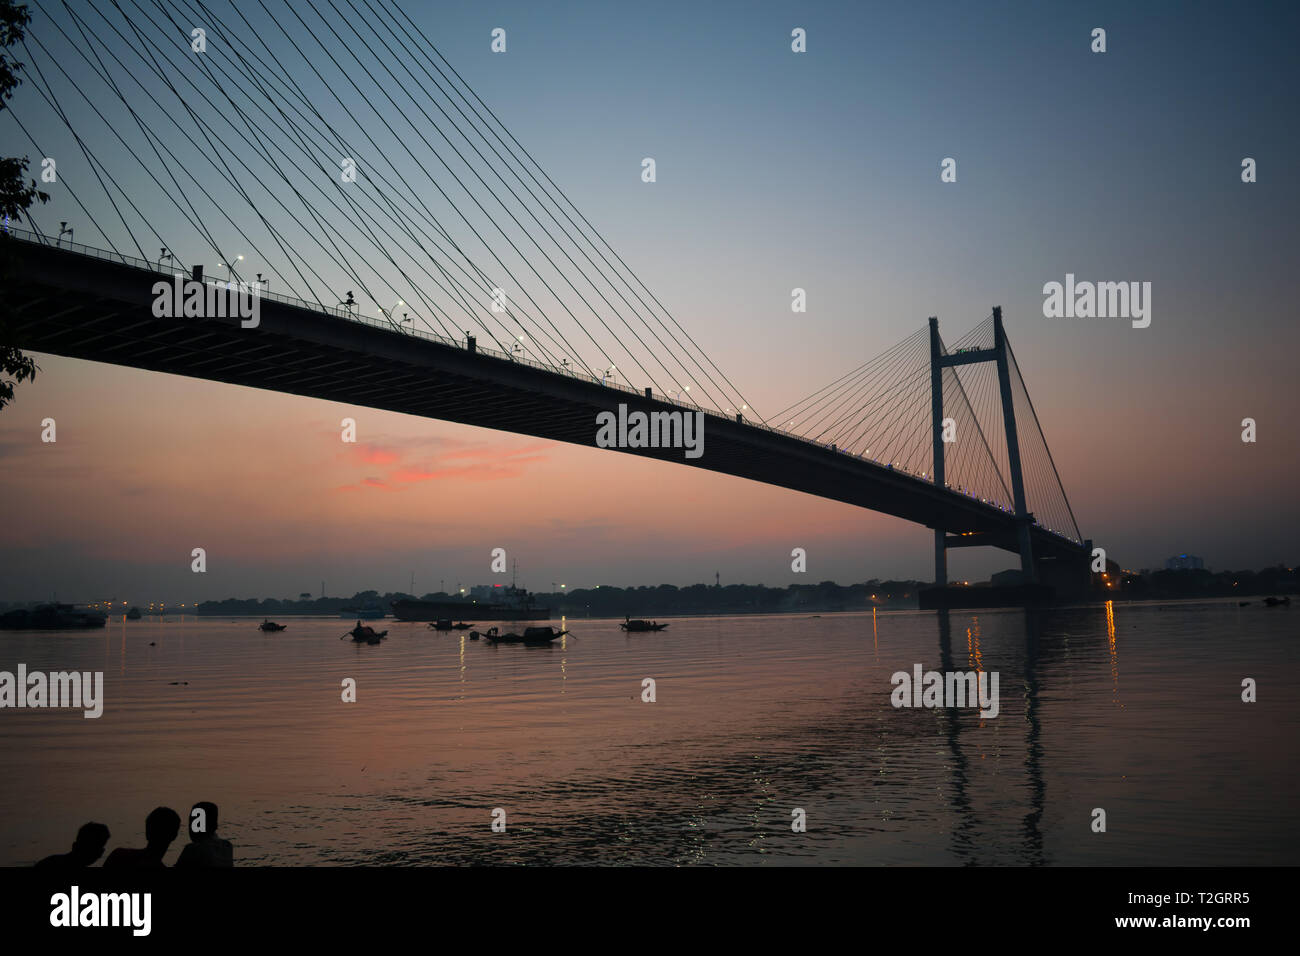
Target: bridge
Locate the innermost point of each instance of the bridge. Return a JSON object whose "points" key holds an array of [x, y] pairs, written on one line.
{"points": [[943, 435]]}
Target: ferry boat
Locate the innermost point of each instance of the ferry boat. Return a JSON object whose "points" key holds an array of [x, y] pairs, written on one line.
{"points": [[516, 606]]}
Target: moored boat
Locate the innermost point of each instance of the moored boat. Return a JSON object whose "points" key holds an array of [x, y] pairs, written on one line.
{"points": [[271, 626]]}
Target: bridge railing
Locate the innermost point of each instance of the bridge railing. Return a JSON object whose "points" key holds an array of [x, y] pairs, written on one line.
{"points": [[157, 270]]}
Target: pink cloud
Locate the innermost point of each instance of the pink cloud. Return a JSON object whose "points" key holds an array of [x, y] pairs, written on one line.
{"points": [[370, 482], [412, 465], [375, 455]]}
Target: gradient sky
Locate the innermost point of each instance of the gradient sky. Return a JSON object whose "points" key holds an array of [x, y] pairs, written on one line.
{"points": [[775, 170]]}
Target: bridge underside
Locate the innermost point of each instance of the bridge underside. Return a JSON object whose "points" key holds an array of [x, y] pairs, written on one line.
{"points": [[73, 305]]}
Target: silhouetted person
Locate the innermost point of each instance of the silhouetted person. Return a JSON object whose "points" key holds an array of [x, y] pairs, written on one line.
{"points": [[88, 847], [205, 847], [160, 828]]}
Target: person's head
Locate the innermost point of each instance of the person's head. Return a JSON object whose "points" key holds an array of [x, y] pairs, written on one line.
{"points": [[203, 821], [161, 827], [91, 840]]}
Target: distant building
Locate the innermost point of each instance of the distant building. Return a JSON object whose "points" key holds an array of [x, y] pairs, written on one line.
{"points": [[1184, 562]]}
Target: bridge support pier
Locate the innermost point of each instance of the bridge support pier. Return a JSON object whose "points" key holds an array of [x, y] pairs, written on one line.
{"points": [[940, 558], [999, 355], [936, 463], [1024, 519]]}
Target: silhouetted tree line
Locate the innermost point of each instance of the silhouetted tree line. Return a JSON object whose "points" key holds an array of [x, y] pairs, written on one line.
{"points": [[328, 605], [606, 601], [668, 599], [1204, 583]]}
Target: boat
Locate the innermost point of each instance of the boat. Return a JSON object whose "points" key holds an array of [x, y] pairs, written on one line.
{"points": [[271, 626], [631, 626], [490, 634], [52, 617], [1277, 602], [134, 614], [461, 626], [442, 624], [516, 604], [531, 635], [370, 611], [365, 634]]}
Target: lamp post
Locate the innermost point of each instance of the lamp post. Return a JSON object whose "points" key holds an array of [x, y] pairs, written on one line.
{"points": [[230, 267], [64, 228]]}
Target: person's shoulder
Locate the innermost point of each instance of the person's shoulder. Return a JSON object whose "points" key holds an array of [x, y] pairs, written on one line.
{"points": [[56, 861], [124, 856]]}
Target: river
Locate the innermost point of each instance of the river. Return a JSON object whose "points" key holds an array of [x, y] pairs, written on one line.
{"points": [[1133, 709]]}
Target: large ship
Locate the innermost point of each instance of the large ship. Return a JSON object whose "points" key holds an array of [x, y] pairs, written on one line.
{"points": [[516, 606], [52, 617], [370, 611]]}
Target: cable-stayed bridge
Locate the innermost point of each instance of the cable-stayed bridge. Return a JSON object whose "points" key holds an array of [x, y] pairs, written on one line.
{"points": [[425, 263]]}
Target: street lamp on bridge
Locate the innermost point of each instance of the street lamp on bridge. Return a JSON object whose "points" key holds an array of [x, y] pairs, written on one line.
{"points": [[230, 267]]}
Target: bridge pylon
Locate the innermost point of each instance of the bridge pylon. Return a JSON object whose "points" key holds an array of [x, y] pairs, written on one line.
{"points": [[998, 354]]}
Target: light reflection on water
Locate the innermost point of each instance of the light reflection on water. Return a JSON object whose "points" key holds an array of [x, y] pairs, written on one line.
{"points": [[1135, 709]]}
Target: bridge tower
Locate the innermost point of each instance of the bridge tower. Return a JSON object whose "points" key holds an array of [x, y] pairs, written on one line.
{"points": [[997, 354]]}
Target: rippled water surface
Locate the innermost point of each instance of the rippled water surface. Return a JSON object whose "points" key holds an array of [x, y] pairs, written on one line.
{"points": [[1136, 710]]}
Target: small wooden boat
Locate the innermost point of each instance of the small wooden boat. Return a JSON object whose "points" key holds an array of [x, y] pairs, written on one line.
{"points": [[460, 626], [1277, 602], [531, 635], [271, 626], [365, 634], [490, 634], [630, 625], [442, 624]]}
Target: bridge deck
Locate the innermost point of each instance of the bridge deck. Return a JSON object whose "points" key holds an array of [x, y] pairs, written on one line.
{"points": [[100, 309]]}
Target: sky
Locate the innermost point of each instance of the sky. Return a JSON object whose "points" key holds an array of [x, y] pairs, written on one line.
{"points": [[775, 170]]}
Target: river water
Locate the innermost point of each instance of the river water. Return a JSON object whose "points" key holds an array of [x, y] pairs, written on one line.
{"points": [[1133, 709]]}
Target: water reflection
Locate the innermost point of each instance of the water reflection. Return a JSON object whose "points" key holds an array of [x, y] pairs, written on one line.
{"points": [[1033, 742], [757, 716], [1114, 652]]}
